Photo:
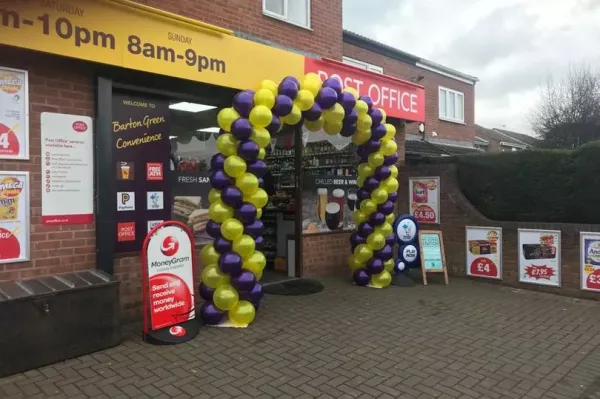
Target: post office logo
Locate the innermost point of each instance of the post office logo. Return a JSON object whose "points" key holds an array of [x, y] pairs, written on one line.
{"points": [[125, 231], [154, 171], [125, 201]]}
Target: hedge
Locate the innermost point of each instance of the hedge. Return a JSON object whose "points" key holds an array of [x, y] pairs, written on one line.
{"points": [[534, 186]]}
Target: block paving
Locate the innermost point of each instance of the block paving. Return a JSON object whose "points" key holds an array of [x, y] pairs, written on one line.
{"points": [[466, 340]]}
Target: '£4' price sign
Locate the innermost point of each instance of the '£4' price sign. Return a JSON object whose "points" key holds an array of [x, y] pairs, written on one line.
{"points": [[484, 267], [9, 142]]}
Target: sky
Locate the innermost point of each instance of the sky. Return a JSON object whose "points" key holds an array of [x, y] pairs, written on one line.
{"points": [[512, 46]]}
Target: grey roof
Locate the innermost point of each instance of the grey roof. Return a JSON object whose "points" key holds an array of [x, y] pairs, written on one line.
{"points": [[425, 148], [525, 138], [494, 134]]}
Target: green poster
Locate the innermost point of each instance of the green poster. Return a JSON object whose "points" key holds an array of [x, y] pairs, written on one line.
{"points": [[432, 251]]}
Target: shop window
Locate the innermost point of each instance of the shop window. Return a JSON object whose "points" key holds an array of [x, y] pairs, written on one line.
{"points": [[362, 65], [296, 12], [452, 105]]}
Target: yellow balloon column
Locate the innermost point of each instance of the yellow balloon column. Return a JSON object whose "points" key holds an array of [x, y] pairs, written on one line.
{"points": [[233, 263]]}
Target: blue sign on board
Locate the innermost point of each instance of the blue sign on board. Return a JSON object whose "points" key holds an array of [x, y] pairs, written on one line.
{"points": [[431, 254]]}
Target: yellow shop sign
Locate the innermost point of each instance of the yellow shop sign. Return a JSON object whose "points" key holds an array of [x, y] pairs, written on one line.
{"points": [[130, 35]]}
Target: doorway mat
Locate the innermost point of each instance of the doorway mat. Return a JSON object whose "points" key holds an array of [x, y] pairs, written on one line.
{"points": [[299, 286]]}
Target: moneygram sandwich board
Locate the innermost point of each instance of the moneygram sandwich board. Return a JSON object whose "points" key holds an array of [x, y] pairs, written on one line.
{"points": [[168, 259]]}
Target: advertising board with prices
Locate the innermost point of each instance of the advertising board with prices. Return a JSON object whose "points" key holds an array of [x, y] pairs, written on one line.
{"points": [[539, 257], [424, 199], [590, 261], [484, 252], [14, 217], [14, 112]]}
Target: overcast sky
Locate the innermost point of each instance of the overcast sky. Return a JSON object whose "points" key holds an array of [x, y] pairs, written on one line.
{"points": [[512, 46]]}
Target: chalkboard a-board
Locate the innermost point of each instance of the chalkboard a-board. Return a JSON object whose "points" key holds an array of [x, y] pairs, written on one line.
{"points": [[433, 257]]}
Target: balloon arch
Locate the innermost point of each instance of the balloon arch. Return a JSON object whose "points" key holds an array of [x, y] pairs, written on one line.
{"points": [[233, 262]]}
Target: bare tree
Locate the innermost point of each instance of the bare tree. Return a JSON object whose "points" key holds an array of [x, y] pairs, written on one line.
{"points": [[568, 112]]}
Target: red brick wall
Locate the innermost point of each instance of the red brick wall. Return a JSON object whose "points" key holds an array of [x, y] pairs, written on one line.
{"points": [[324, 38], [457, 212], [432, 82]]}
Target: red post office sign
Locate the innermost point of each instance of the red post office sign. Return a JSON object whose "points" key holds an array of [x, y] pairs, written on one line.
{"points": [[398, 98]]}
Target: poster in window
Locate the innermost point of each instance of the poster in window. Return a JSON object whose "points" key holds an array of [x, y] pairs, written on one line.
{"points": [[424, 199], [14, 217], [14, 114], [590, 261], [539, 257]]}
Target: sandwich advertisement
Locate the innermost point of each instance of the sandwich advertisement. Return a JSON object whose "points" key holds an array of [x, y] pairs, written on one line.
{"points": [[539, 257], [140, 130], [190, 202]]}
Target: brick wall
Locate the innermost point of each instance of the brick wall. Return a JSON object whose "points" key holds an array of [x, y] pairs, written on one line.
{"points": [[324, 38], [457, 212], [432, 82]]}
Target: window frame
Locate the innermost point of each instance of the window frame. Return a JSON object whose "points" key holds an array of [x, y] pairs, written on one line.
{"points": [[368, 66], [446, 92], [285, 17]]}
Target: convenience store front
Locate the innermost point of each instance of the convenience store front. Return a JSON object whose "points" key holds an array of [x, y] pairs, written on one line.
{"points": [[158, 82]]}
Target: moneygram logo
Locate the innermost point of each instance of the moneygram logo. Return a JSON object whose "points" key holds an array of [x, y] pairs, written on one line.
{"points": [[10, 83], [169, 246]]}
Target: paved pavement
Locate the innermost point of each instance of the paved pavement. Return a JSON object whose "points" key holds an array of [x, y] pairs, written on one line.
{"points": [[465, 340]]}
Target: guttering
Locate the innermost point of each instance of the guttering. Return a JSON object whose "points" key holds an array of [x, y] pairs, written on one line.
{"points": [[445, 71], [379, 48], [512, 145]]}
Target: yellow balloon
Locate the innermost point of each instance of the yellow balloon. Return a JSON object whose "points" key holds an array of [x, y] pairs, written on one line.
{"points": [[390, 218], [244, 245], [364, 122], [232, 229], [389, 265], [390, 184], [360, 181], [382, 279], [363, 253], [226, 117], [376, 159], [242, 314], [227, 144], [332, 128], [361, 137], [269, 85], [247, 183], [226, 297], [368, 207], [361, 107], [365, 170], [352, 91], [315, 126], [262, 153], [259, 199], [359, 217], [208, 255], [234, 166], [220, 212], [261, 136], [386, 229], [293, 117], [259, 213], [394, 171], [390, 132], [213, 277], [260, 116], [264, 97], [383, 114], [334, 114], [354, 263], [304, 100], [379, 195], [388, 147], [256, 263], [214, 195], [376, 241], [311, 82]]}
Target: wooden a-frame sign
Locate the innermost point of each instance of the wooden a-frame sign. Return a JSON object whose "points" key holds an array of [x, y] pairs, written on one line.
{"points": [[431, 251]]}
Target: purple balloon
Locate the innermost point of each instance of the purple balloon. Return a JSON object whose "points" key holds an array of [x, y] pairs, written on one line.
{"points": [[362, 153], [363, 194], [206, 292], [393, 197], [386, 208], [257, 168], [244, 281], [333, 83], [370, 184], [275, 125], [385, 253], [364, 229], [241, 129], [211, 315], [213, 229], [259, 243], [222, 245], [351, 117], [314, 113], [326, 98], [390, 240], [232, 196], [254, 295], [246, 213], [377, 219], [249, 150], [375, 266], [378, 132], [217, 162], [261, 182], [243, 102], [391, 160], [283, 105], [382, 172], [368, 100], [220, 180], [376, 116], [372, 146], [255, 228], [348, 129], [256, 305], [292, 79], [288, 88], [361, 277], [230, 263], [347, 101], [356, 239]]}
